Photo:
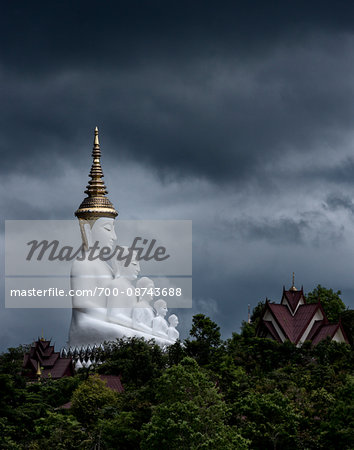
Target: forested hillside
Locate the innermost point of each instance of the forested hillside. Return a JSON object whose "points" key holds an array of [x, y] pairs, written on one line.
{"points": [[242, 393]]}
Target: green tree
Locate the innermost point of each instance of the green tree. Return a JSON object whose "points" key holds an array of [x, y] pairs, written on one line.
{"points": [[135, 360], [121, 431], [190, 413], [338, 431], [269, 420], [206, 342], [90, 398], [8, 435], [330, 300], [58, 392], [249, 329], [59, 431], [11, 361], [347, 318]]}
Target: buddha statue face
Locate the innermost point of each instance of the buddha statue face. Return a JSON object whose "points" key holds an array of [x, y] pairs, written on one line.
{"points": [[102, 232], [129, 272], [148, 285], [161, 308], [173, 320]]}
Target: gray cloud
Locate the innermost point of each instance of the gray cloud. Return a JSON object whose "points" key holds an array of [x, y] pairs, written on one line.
{"points": [[278, 231], [338, 201], [220, 115], [238, 119]]}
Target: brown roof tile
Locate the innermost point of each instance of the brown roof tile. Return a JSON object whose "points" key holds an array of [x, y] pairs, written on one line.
{"points": [[293, 326], [272, 330], [325, 331], [113, 382], [50, 361], [61, 368], [293, 298]]}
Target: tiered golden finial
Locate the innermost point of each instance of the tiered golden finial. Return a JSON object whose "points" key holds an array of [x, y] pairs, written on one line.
{"points": [[96, 205], [293, 288], [39, 372]]}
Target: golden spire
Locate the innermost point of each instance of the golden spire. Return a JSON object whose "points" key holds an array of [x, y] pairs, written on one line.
{"points": [[96, 205], [39, 372], [293, 288]]}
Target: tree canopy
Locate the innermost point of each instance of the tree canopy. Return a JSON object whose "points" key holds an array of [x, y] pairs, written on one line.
{"points": [[204, 393], [330, 301]]}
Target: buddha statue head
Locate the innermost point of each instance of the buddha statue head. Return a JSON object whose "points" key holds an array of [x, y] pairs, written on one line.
{"points": [[96, 213], [147, 287], [160, 307], [125, 264], [101, 231], [173, 320]]}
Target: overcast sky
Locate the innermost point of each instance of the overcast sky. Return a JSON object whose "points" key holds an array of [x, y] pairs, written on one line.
{"points": [[237, 115]]}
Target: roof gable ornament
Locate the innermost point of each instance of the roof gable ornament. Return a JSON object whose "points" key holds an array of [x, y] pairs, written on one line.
{"points": [[293, 288]]}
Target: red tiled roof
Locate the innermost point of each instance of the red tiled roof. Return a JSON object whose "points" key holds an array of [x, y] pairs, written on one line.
{"points": [[325, 331], [316, 326], [33, 363], [272, 330], [113, 382], [293, 298], [293, 326], [59, 370], [50, 362]]}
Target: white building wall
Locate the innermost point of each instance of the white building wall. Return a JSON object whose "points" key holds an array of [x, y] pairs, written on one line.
{"points": [[339, 337]]}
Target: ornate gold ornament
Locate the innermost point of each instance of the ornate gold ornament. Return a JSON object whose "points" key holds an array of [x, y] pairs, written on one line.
{"points": [[96, 204]]}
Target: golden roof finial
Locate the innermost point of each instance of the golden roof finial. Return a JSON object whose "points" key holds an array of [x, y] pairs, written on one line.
{"points": [[39, 372], [96, 205], [293, 288], [96, 141], [42, 338]]}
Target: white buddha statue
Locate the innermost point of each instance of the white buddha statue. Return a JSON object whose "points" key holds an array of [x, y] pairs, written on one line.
{"points": [[96, 216], [159, 323], [143, 313], [172, 333], [97, 316], [122, 300]]}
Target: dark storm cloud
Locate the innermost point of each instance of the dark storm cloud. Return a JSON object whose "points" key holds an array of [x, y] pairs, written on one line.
{"points": [[338, 201], [223, 124], [236, 115], [210, 90], [341, 172], [279, 231], [41, 35]]}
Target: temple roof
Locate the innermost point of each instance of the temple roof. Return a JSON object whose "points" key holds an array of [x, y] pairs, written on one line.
{"points": [[293, 298], [325, 331], [42, 357], [293, 326], [269, 325], [113, 382], [290, 319]]}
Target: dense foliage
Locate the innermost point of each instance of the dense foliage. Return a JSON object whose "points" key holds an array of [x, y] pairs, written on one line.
{"points": [[206, 393]]}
